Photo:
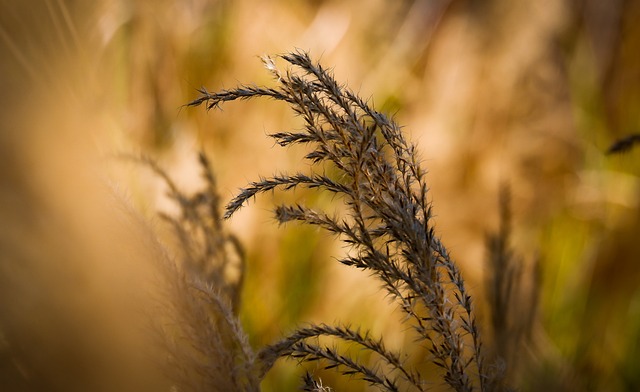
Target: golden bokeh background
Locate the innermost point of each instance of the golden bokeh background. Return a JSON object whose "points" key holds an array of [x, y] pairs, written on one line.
{"points": [[494, 92]]}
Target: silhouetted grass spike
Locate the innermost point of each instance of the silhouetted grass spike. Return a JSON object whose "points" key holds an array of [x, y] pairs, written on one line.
{"points": [[292, 346], [388, 224]]}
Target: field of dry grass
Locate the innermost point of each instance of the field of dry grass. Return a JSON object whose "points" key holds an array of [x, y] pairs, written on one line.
{"points": [[525, 96]]}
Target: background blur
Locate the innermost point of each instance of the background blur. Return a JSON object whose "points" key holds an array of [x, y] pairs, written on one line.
{"points": [[529, 93]]}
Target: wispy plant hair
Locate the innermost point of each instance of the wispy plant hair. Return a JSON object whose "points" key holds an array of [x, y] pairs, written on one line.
{"points": [[388, 227]]}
